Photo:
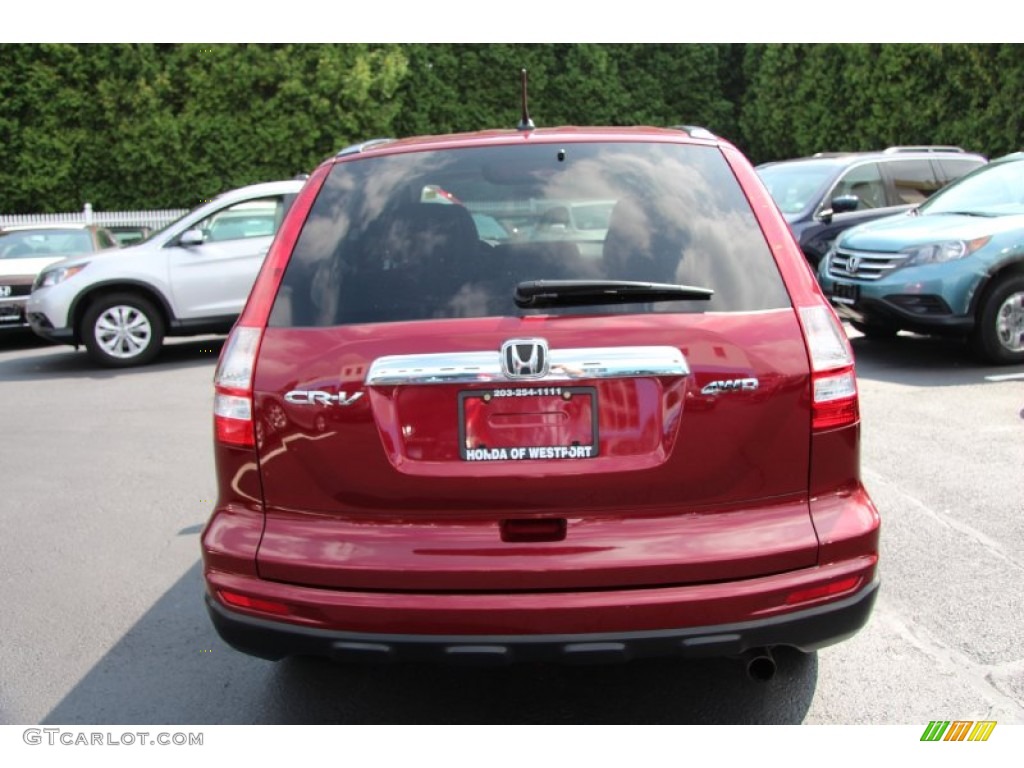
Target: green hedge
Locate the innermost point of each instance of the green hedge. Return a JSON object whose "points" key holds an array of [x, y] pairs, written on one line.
{"points": [[150, 126]]}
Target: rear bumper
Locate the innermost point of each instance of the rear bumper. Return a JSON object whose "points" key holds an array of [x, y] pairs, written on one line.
{"points": [[807, 630]]}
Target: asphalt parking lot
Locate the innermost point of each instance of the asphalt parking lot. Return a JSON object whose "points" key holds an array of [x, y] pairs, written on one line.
{"points": [[107, 479]]}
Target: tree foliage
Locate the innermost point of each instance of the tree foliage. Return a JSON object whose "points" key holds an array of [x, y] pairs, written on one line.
{"points": [[149, 126], [130, 126], [801, 99]]}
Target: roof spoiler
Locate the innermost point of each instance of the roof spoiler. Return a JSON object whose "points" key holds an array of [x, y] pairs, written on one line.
{"points": [[355, 149], [696, 132]]}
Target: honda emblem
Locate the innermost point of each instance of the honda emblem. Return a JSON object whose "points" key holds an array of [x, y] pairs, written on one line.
{"points": [[524, 358]]}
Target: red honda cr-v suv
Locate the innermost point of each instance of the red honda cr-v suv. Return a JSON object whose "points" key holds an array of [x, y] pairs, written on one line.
{"points": [[566, 394]]}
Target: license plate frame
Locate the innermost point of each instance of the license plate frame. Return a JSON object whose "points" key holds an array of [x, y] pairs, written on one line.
{"points": [[561, 421], [10, 313], [845, 293]]}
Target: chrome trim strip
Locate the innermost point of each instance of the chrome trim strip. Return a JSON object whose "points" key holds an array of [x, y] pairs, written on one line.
{"points": [[566, 365], [871, 265]]}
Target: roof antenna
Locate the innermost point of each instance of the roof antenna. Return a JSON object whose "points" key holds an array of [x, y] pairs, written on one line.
{"points": [[525, 124]]}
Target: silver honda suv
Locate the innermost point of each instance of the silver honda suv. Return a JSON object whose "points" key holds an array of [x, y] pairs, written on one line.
{"points": [[191, 277]]}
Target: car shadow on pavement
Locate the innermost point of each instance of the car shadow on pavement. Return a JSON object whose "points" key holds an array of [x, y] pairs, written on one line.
{"points": [[921, 361], [171, 668], [662, 691], [47, 361], [20, 338]]}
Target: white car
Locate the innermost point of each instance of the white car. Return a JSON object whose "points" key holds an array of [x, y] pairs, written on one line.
{"points": [[191, 277], [25, 251]]}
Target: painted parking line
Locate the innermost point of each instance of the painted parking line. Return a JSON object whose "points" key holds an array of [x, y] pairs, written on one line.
{"points": [[1005, 377]]}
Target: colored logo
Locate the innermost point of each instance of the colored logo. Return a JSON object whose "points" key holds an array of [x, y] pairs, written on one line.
{"points": [[958, 730]]}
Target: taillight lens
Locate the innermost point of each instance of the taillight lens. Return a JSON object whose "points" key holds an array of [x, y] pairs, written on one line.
{"points": [[835, 400], [232, 402], [833, 382]]}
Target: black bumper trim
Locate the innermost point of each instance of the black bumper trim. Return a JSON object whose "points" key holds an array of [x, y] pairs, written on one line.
{"points": [[218, 325], [875, 311], [42, 327], [806, 630]]}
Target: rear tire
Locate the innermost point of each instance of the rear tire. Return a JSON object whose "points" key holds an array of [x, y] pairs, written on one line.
{"points": [[876, 331], [121, 330], [998, 336]]}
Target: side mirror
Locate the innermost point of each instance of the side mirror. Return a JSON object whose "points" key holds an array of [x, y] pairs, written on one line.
{"points": [[191, 237], [845, 203]]}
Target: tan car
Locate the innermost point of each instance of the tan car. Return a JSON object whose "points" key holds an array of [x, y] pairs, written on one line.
{"points": [[26, 251]]}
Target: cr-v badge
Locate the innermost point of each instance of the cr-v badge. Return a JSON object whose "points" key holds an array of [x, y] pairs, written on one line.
{"points": [[316, 397]]}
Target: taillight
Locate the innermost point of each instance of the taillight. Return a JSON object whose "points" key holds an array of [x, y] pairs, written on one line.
{"points": [[833, 382], [232, 403], [232, 400]]}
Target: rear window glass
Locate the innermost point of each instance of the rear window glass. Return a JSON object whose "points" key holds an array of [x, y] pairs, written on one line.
{"points": [[35, 243], [449, 234]]}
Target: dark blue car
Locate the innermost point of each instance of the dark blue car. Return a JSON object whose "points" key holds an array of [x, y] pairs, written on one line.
{"points": [[823, 195]]}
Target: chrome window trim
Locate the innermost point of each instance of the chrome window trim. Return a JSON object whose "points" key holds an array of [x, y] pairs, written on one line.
{"points": [[566, 365]]}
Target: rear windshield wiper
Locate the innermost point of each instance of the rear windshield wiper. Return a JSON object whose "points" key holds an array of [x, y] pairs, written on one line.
{"points": [[570, 293]]}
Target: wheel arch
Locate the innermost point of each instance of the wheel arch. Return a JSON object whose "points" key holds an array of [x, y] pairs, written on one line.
{"points": [[84, 300], [1013, 266]]}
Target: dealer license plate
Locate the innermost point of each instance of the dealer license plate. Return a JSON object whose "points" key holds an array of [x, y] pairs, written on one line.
{"points": [[539, 423]]}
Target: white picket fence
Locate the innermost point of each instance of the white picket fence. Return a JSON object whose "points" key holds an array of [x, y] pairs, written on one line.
{"points": [[87, 215]]}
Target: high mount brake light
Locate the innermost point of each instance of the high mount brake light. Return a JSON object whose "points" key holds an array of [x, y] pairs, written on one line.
{"points": [[834, 399]]}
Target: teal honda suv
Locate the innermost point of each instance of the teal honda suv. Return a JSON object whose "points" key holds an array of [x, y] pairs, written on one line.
{"points": [[953, 265]]}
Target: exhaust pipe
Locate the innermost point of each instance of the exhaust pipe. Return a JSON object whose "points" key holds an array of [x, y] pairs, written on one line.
{"points": [[760, 664]]}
